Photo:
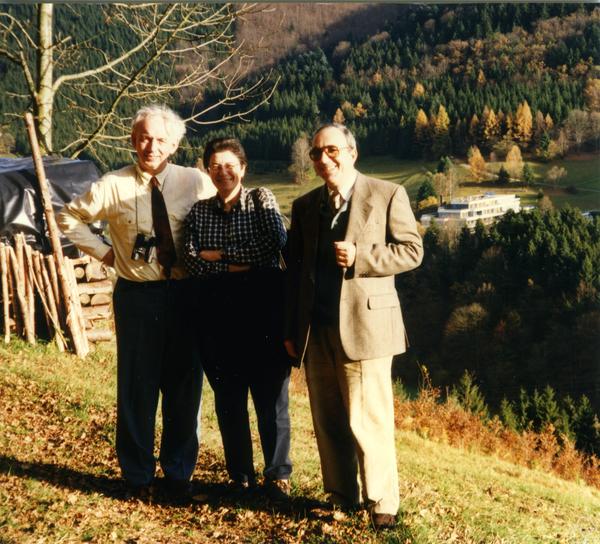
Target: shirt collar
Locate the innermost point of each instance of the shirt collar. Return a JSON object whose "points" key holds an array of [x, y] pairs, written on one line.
{"points": [[346, 189], [241, 204], [145, 177]]}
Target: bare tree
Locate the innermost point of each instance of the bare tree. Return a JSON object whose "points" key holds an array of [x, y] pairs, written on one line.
{"points": [[555, 174], [577, 127], [301, 163], [445, 184], [142, 53]]}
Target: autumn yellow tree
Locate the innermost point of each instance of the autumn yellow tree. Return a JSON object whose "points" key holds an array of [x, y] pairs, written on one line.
{"points": [[418, 90], [441, 133], [422, 135], [490, 129], [514, 162], [591, 94], [476, 163], [523, 124], [474, 129], [339, 117], [360, 110]]}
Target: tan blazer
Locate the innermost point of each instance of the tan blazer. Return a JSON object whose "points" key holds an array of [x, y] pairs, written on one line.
{"points": [[383, 227]]}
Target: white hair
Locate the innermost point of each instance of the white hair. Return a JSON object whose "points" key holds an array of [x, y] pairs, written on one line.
{"points": [[174, 124], [350, 139]]}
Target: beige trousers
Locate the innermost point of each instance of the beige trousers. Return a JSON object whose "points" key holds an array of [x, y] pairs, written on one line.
{"points": [[353, 415]]}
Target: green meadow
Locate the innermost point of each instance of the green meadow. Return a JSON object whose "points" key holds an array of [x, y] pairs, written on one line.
{"points": [[583, 174]]}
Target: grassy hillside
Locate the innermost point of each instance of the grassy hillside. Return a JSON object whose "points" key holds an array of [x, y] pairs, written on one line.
{"points": [[59, 478]]}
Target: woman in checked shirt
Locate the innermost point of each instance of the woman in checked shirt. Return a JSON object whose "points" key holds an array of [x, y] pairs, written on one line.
{"points": [[232, 245]]}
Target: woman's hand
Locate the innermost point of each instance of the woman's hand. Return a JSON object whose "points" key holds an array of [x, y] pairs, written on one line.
{"points": [[238, 267], [211, 255]]}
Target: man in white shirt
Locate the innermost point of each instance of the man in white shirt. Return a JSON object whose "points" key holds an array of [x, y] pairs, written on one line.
{"points": [[152, 299]]}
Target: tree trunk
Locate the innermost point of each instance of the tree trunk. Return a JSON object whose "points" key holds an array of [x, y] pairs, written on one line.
{"points": [[45, 91]]}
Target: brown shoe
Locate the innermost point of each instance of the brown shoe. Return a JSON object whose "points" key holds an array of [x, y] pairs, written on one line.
{"points": [[277, 490], [383, 521]]}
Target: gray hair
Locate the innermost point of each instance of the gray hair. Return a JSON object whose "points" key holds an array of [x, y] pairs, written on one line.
{"points": [[350, 139], [174, 124]]}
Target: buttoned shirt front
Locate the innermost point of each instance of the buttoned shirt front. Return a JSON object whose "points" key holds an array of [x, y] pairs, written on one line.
{"points": [[251, 233], [345, 192], [123, 199]]}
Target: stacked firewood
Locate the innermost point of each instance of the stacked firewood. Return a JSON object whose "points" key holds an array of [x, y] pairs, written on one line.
{"points": [[31, 283], [95, 296]]}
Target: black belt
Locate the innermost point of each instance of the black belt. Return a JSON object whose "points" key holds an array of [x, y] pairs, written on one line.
{"points": [[152, 284]]}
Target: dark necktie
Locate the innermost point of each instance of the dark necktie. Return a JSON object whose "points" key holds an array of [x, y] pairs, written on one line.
{"points": [[335, 201], [165, 247]]}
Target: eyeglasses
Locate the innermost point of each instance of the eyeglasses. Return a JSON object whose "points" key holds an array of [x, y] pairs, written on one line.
{"points": [[229, 166], [332, 151]]}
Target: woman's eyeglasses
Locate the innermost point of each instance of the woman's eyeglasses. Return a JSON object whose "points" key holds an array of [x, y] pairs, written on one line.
{"points": [[229, 167], [332, 151]]}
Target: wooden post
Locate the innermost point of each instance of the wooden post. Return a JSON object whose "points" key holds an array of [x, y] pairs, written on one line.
{"points": [[54, 282], [12, 288], [77, 310], [5, 294], [47, 298], [21, 295], [21, 251], [74, 319]]}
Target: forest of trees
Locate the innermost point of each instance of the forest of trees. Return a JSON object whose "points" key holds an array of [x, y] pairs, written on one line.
{"points": [[516, 304], [444, 79], [435, 82]]}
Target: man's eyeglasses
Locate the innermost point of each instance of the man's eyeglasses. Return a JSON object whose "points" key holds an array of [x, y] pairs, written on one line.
{"points": [[332, 151]]}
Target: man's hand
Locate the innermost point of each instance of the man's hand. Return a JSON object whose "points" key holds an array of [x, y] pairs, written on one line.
{"points": [[109, 258], [211, 255], [345, 253], [290, 347]]}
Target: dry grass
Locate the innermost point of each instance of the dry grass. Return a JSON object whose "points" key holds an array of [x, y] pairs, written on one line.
{"points": [[449, 423]]}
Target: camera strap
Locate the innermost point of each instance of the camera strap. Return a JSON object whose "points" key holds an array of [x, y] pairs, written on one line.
{"points": [[165, 245]]}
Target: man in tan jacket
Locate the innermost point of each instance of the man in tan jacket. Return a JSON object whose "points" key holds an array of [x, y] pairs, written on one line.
{"points": [[348, 239]]}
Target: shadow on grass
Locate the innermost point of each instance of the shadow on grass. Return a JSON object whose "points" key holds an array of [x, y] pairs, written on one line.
{"points": [[214, 494], [63, 477]]}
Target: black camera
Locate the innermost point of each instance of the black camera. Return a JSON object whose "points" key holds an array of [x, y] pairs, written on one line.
{"points": [[144, 247]]}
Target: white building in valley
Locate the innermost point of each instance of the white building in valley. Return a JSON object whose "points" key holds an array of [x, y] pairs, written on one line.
{"points": [[466, 211]]}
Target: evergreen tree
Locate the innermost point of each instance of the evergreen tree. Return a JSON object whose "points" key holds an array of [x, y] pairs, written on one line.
{"points": [[426, 190], [528, 177], [503, 177], [507, 415], [469, 396]]}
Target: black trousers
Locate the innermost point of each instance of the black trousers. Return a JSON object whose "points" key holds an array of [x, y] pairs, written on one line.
{"points": [[156, 353], [243, 353]]}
